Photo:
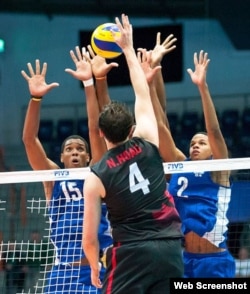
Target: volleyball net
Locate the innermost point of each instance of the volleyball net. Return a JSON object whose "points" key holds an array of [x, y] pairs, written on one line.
{"points": [[26, 252]]}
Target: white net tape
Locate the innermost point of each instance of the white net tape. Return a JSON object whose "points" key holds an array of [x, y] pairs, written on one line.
{"points": [[81, 173]]}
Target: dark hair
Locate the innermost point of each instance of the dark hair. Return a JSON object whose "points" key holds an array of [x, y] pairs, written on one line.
{"points": [[115, 121], [75, 137]]}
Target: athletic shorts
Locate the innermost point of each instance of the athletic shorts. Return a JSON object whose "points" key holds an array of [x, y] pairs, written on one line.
{"points": [[143, 267], [212, 265], [71, 280]]}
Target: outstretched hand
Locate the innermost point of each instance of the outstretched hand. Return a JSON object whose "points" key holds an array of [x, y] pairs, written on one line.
{"points": [[198, 76], [125, 39], [100, 67], [162, 49], [36, 80], [145, 59], [83, 70]]}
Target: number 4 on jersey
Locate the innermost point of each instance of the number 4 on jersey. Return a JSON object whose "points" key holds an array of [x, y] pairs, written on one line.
{"points": [[136, 180]]}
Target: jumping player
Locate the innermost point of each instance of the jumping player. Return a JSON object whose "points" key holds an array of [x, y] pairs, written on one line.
{"points": [[202, 199], [71, 271], [146, 227]]}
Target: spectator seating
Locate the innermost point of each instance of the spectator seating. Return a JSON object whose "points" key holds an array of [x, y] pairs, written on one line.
{"points": [[65, 128], [46, 130]]}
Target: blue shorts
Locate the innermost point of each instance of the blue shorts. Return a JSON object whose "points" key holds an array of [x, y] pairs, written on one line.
{"points": [[71, 280], [212, 265]]}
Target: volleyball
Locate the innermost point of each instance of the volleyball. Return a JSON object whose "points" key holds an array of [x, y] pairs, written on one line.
{"points": [[102, 41]]}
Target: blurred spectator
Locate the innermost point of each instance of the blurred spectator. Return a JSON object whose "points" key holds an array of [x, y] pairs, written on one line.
{"points": [[40, 254], [35, 252], [3, 166], [14, 197], [2, 274], [15, 268], [243, 263], [245, 237]]}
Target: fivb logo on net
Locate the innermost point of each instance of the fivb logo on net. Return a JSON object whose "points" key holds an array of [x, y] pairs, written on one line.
{"points": [[175, 166], [61, 173]]}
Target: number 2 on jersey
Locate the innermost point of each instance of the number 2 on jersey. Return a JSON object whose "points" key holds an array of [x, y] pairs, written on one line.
{"points": [[183, 181]]}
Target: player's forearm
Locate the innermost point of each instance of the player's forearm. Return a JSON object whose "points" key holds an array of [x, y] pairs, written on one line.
{"points": [[32, 120], [209, 111], [91, 250], [97, 145], [102, 92], [160, 89], [137, 75]]}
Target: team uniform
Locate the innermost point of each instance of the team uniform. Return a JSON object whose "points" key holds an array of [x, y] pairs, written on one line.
{"points": [[146, 227], [202, 205], [66, 223]]}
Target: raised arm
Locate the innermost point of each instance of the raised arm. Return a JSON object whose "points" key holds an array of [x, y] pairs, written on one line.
{"points": [[167, 146], [38, 88], [84, 73], [100, 70], [168, 150], [146, 125], [158, 52], [198, 77]]}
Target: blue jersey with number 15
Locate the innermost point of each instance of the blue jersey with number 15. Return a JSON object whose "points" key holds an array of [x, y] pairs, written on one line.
{"points": [[66, 210]]}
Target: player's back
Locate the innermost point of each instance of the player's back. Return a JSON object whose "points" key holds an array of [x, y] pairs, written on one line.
{"points": [[138, 204]]}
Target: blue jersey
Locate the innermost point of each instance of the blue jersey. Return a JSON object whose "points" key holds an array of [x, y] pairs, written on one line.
{"points": [[202, 205], [66, 210]]}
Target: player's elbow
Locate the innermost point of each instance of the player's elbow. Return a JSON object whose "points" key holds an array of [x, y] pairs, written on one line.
{"points": [[28, 140]]}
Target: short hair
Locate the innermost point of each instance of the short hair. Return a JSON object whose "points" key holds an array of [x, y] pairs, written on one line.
{"points": [[116, 121], [201, 132], [75, 137]]}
